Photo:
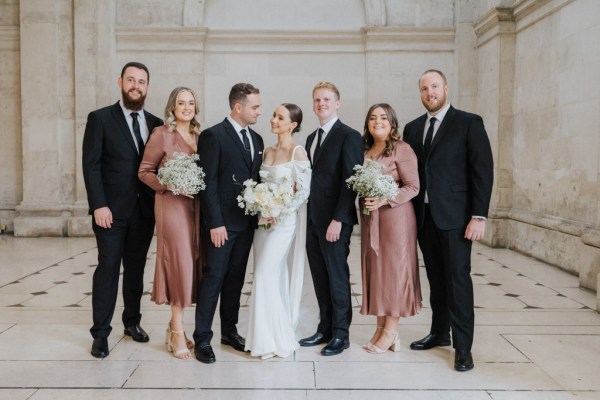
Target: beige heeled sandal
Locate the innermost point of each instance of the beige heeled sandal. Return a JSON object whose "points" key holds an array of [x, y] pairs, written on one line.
{"points": [[188, 342], [395, 346], [171, 348], [370, 343]]}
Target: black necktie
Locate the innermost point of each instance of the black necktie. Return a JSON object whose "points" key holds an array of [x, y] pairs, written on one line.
{"points": [[318, 146], [429, 135], [136, 132], [246, 143]]}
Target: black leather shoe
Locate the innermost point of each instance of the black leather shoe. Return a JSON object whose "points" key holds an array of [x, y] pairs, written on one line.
{"points": [[100, 347], [234, 340], [204, 353], [335, 346], [430, 341], [463, 361], [137, 333], [316, 339]]}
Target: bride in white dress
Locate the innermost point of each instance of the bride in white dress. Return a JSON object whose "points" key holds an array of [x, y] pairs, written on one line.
{"points": [[279, 252]]}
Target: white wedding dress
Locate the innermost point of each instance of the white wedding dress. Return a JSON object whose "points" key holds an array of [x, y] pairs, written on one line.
{"points": [[279, 255]]}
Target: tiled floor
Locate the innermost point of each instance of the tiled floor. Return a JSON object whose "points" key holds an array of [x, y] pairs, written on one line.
{"points": [[537, 337]]}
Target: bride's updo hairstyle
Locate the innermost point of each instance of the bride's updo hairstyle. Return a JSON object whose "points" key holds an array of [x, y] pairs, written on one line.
{"points": [[295, 115]]}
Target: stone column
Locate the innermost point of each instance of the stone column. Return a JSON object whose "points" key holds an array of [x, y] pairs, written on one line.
{"points": [[47, 99], [496, 44], [95, 78]]}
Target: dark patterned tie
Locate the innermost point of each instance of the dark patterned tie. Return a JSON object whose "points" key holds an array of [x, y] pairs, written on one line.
{"points": [[137, 133], [246, 144], [429, 136]]}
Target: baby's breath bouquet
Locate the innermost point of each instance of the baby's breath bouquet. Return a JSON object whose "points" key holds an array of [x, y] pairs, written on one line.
{"points": [[267, 198], [369, 181], [182, 175]]}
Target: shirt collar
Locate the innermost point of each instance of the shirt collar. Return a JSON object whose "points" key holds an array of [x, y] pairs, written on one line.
{"points": [[328, 125], [128, 112], [236, 126], [440, 115]]}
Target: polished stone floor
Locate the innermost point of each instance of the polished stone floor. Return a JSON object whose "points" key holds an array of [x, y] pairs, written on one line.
{"points": [[537, 337]]}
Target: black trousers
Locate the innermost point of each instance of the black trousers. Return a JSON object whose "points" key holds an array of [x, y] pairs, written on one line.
{"points": [[223, 275], [127, 241], [447, 256], [328, 263]]}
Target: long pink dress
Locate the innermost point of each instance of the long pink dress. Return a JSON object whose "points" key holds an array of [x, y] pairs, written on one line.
{"points": [[178, 261], [390, 276]]}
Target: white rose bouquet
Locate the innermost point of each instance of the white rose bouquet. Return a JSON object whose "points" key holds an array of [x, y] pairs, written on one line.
{"points": [[369, 181], [182, 175], [271, 200]]}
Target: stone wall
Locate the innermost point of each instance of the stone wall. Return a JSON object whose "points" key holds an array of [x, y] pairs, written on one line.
{"points": [[528, 67], [538, 70], [11, 179]]}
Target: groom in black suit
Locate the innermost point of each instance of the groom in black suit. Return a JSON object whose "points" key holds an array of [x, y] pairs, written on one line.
{"points": [[334, 150], [121, 205], [227, 150], [456, 175]]}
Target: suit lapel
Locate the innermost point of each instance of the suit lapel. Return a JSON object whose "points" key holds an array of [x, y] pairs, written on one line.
{"points": [[119, 117], [444, 127], [257, 160], [309, 141]]}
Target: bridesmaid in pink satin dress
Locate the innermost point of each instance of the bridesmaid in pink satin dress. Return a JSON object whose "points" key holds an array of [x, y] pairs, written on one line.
{"points": [[178, 261], [390, 276]]}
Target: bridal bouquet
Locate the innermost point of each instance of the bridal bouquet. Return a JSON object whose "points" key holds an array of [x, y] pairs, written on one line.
{"points": [[267, 198], [369, 181], [182, 175]]}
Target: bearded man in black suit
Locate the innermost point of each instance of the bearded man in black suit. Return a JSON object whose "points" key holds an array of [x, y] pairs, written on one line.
{"points": [[121, 205], [456, 175]]}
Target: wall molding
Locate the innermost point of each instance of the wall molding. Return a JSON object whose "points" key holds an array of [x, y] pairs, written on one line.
{"points": [[132, 39], [522, 15], [10, 38], [399, 39]]}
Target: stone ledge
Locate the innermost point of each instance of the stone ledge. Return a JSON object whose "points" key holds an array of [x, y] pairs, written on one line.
{"points": [[80, 226], [588, 236], [36, 226]]}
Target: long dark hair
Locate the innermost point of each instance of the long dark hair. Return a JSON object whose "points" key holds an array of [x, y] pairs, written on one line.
{"points": [[394, 136]]}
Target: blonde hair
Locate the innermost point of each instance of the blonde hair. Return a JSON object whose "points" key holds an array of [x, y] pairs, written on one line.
{"points": [[170, 107], [329, 86]]}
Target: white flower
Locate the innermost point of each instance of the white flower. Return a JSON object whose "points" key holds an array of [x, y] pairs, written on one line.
{"points": [[181, 174], [268, 199], [369, 181]]}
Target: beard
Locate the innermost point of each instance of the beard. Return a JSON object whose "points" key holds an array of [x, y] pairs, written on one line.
{"points": [[133, 104], [433, 108]]}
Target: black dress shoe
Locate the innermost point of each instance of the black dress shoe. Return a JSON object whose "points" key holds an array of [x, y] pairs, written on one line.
{"points": [[430, 341], [137, 333], [335, 346], [234, 340], [463, 361], [100, 347], [204, 353], [316, 339]]}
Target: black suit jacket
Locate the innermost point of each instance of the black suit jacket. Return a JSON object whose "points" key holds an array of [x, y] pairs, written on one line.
{"points": [[110, 163], [330, 198], [458, 173], [222, 156]]}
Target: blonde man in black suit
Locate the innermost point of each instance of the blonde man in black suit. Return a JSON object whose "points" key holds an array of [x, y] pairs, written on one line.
{"points": [[334, 149]]}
